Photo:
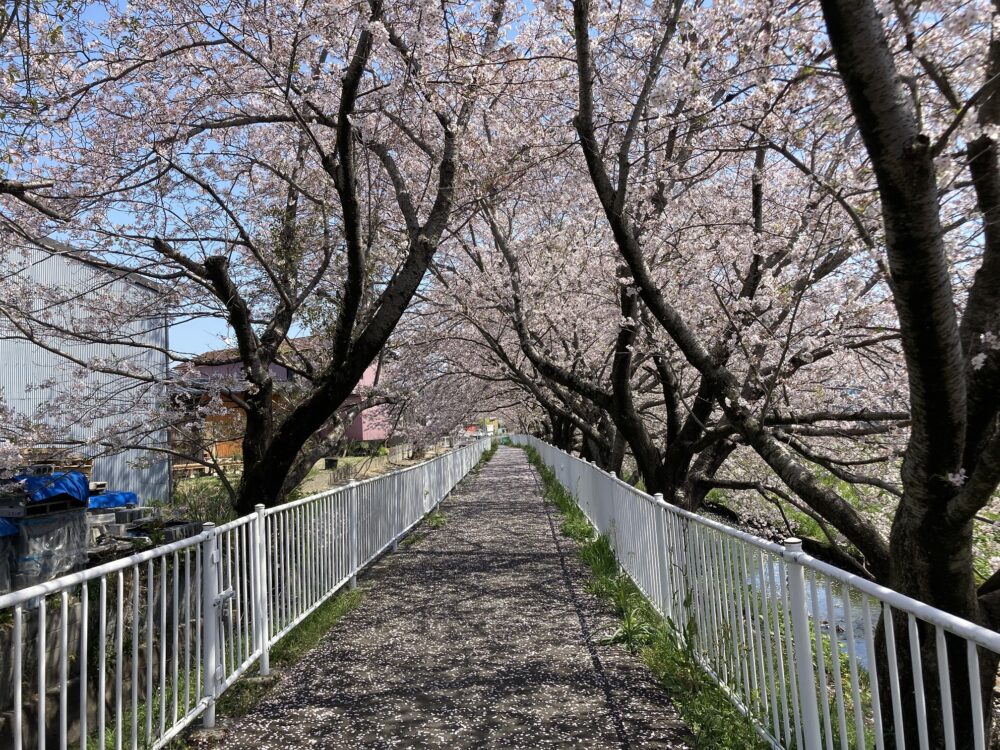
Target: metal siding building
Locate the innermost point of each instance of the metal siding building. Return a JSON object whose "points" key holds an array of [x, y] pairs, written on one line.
{"points": [[32, 377]]}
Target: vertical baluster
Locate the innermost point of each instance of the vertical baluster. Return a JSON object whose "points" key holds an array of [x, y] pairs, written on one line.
{"points": [[84, 619], [18, 657], [752, 639], [918, 682], [838, 684], [176, 637], [769, 649], [63, 658], [286, 577], [163, 646], [739, 614], [852, 665], [975, 692], [821, 681], [352, 500], [227, 635], [119, 644], [944, 682], [805, 675], [42, 627], [187, 630], [873, 678], [150, 614], [134, 723], [199, 619], [754, 623], [779, 617], [102, 633]]}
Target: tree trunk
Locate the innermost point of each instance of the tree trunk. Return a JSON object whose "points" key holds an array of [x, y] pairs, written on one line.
{"points": [[958, 683], [256, 439], [932, 562], [707, 463]]}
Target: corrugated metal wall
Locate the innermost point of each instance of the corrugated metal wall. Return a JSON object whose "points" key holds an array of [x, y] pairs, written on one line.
{"points": [[33, 379]]}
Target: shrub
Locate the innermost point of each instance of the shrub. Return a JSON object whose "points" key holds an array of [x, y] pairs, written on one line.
{"points": [[201, 499]]}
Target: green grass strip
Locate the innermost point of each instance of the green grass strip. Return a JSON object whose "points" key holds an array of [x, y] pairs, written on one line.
{"points": [[714, 721], [485, 458]]}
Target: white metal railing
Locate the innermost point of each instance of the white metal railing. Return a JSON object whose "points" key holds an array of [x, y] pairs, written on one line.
{"points": [[127, 654], [816, 657]]}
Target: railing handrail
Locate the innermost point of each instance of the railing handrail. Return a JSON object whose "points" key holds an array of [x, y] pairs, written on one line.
{"points": [[357, 482], [959, 626], [13, 598], [199, 612], [70, 580], [236, 522], [965, 628], [757, 541], [771, 624]]}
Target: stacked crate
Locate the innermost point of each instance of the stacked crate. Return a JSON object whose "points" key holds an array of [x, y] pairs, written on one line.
{"points": [[45, 536]]}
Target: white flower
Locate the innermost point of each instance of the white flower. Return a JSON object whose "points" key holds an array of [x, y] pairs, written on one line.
{"points": [[958, 479], [978, 361]]}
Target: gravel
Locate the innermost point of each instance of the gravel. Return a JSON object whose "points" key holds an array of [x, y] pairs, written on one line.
{"points": [[479, 635]]}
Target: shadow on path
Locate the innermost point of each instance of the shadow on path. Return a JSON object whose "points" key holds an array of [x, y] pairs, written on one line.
{"points": [[479, 635]]}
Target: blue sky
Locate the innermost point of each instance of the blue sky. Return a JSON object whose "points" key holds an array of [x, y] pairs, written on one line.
{"points": [[200, 335]]}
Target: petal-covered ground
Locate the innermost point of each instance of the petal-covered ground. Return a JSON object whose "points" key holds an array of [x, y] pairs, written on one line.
{"points": [[478, 635]]}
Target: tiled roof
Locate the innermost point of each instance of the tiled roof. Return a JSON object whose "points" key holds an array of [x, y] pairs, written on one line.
{"points": [[231, 355]]}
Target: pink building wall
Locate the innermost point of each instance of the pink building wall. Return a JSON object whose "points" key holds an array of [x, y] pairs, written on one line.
{"points": [[371, 424], [368, 378]]}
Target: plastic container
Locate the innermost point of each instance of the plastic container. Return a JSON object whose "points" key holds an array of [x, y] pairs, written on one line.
{"points": [[46, 547]]}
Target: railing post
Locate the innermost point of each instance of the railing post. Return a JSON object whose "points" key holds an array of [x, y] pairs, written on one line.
{"points": [[352, 513], [261, 615], [620, 554], [662, 557], [397, 520], [803, 657], [210, 619]]}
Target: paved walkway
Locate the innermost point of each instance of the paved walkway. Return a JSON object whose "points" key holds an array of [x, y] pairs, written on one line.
{"points": [[478, 635]]}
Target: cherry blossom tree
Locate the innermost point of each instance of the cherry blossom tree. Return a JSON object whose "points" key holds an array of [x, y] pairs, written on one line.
{"points": [[948, 471], [951, 468], [730, 250], [629, 384], [279, 168]]}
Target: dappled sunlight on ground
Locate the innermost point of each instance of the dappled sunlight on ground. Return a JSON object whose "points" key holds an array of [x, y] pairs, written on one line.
{"points": [[478, 635]]}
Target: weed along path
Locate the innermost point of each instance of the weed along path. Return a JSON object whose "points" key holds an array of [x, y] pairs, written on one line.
{"points": [[477, 634]]}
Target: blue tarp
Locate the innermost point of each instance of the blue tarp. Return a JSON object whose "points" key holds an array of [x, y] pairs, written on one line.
{"points": [[46, 487], [7, 529], [113, 500]]}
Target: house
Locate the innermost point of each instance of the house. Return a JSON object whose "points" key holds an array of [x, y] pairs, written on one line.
{"points": [[486, 426], [374, 423], [35, 375], [223, 432]]}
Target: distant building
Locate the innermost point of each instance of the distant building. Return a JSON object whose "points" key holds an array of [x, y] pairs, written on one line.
{"points": [[32, 376], [374, 423], [223, 431], [486, 426]]}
